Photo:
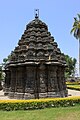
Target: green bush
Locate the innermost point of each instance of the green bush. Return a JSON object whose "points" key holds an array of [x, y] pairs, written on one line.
{"points": [[9, 105]]}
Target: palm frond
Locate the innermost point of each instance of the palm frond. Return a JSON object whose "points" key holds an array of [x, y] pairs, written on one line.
{"points": [[76, 27], [75, 24], [75, 34], [75, 18], [78, 16], [72, 30]]}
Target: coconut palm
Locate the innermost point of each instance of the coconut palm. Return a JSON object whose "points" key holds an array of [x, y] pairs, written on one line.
{"points": [[76, 32]]}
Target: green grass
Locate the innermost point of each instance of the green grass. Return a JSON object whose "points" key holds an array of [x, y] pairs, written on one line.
{"points": [[62, 113]]}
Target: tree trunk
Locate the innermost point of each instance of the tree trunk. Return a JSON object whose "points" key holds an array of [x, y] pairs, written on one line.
{"points": [[79, 57], [0, 86]]}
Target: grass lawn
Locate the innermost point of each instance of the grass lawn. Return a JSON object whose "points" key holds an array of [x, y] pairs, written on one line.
{"points": [[62, 113]]}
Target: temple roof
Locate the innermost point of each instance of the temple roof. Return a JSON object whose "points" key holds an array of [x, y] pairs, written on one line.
{"points": [[37, 23], [36, 44]]}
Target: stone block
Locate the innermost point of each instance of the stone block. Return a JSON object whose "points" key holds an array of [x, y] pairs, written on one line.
{"points": [[6, 91], [42, 95], [18, 95], [53, 94], [11, 95], [29, 96]]}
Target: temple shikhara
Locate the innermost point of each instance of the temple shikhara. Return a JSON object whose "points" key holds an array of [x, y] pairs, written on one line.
{"points": [[36, 66]]}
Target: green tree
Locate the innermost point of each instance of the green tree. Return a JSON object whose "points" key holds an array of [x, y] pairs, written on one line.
{"points": [[2, 65], [1, 76], [76, 32], [5, 60], [1, 72], [71, 63]]}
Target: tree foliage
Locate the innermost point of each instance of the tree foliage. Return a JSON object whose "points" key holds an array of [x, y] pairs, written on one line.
{"points": [[1, 73], [76, 27], [2, 65], [71, 63]]}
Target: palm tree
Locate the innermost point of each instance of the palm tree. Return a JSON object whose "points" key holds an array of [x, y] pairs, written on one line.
{"points": [[76, 32]]}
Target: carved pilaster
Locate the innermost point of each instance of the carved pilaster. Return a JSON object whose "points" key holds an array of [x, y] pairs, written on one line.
{"points": [[20, 82], [30, 82], [61, 81], [52, 82], [20, 79], [42, 78], [52, 79], [64, 82], [13, 79], [7, 82], [13, 82]]}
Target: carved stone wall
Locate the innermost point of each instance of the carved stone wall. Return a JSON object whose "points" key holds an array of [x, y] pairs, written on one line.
{"points": [[37, 81]]}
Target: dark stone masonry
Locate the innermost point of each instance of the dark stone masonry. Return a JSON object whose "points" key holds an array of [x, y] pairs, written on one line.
{"points": [[36, 66]]}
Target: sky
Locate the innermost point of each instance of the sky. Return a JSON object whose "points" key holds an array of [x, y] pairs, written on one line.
{"points": [[57, 14]]}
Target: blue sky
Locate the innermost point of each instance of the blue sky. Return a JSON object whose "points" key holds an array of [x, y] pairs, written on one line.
{"points": [[57, 14]]}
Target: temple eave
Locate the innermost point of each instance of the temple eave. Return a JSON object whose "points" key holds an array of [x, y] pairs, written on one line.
{"points": [[36, 63]]}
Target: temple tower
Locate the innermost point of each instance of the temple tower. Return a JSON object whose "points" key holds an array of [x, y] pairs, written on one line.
{"points": [[36, 66]]}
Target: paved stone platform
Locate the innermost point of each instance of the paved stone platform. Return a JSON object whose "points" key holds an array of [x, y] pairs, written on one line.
{"points": [[2, 97], [70, 93], [73, 93]]}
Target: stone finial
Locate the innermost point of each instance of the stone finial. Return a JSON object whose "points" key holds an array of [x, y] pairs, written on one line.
{"points": [[36, 13]]}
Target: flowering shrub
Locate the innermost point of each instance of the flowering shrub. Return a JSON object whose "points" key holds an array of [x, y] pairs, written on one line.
{"points": [[38, 103]]}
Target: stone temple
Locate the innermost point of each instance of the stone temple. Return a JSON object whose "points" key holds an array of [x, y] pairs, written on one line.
{"points": [[36, 66]]}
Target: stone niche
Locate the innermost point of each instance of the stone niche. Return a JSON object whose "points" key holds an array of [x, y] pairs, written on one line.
{"points": [[36, 66]]}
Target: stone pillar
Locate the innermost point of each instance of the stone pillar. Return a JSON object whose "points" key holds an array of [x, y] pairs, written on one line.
{"points": [[30, 82], [20, 82], [37, 83], [42, 81], [7, 82], [13, 82], [53, 90]]}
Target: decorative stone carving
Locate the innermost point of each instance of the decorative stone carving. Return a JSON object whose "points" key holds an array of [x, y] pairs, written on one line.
{"points": [[40, 55], [31, 46], [30, 54]]}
